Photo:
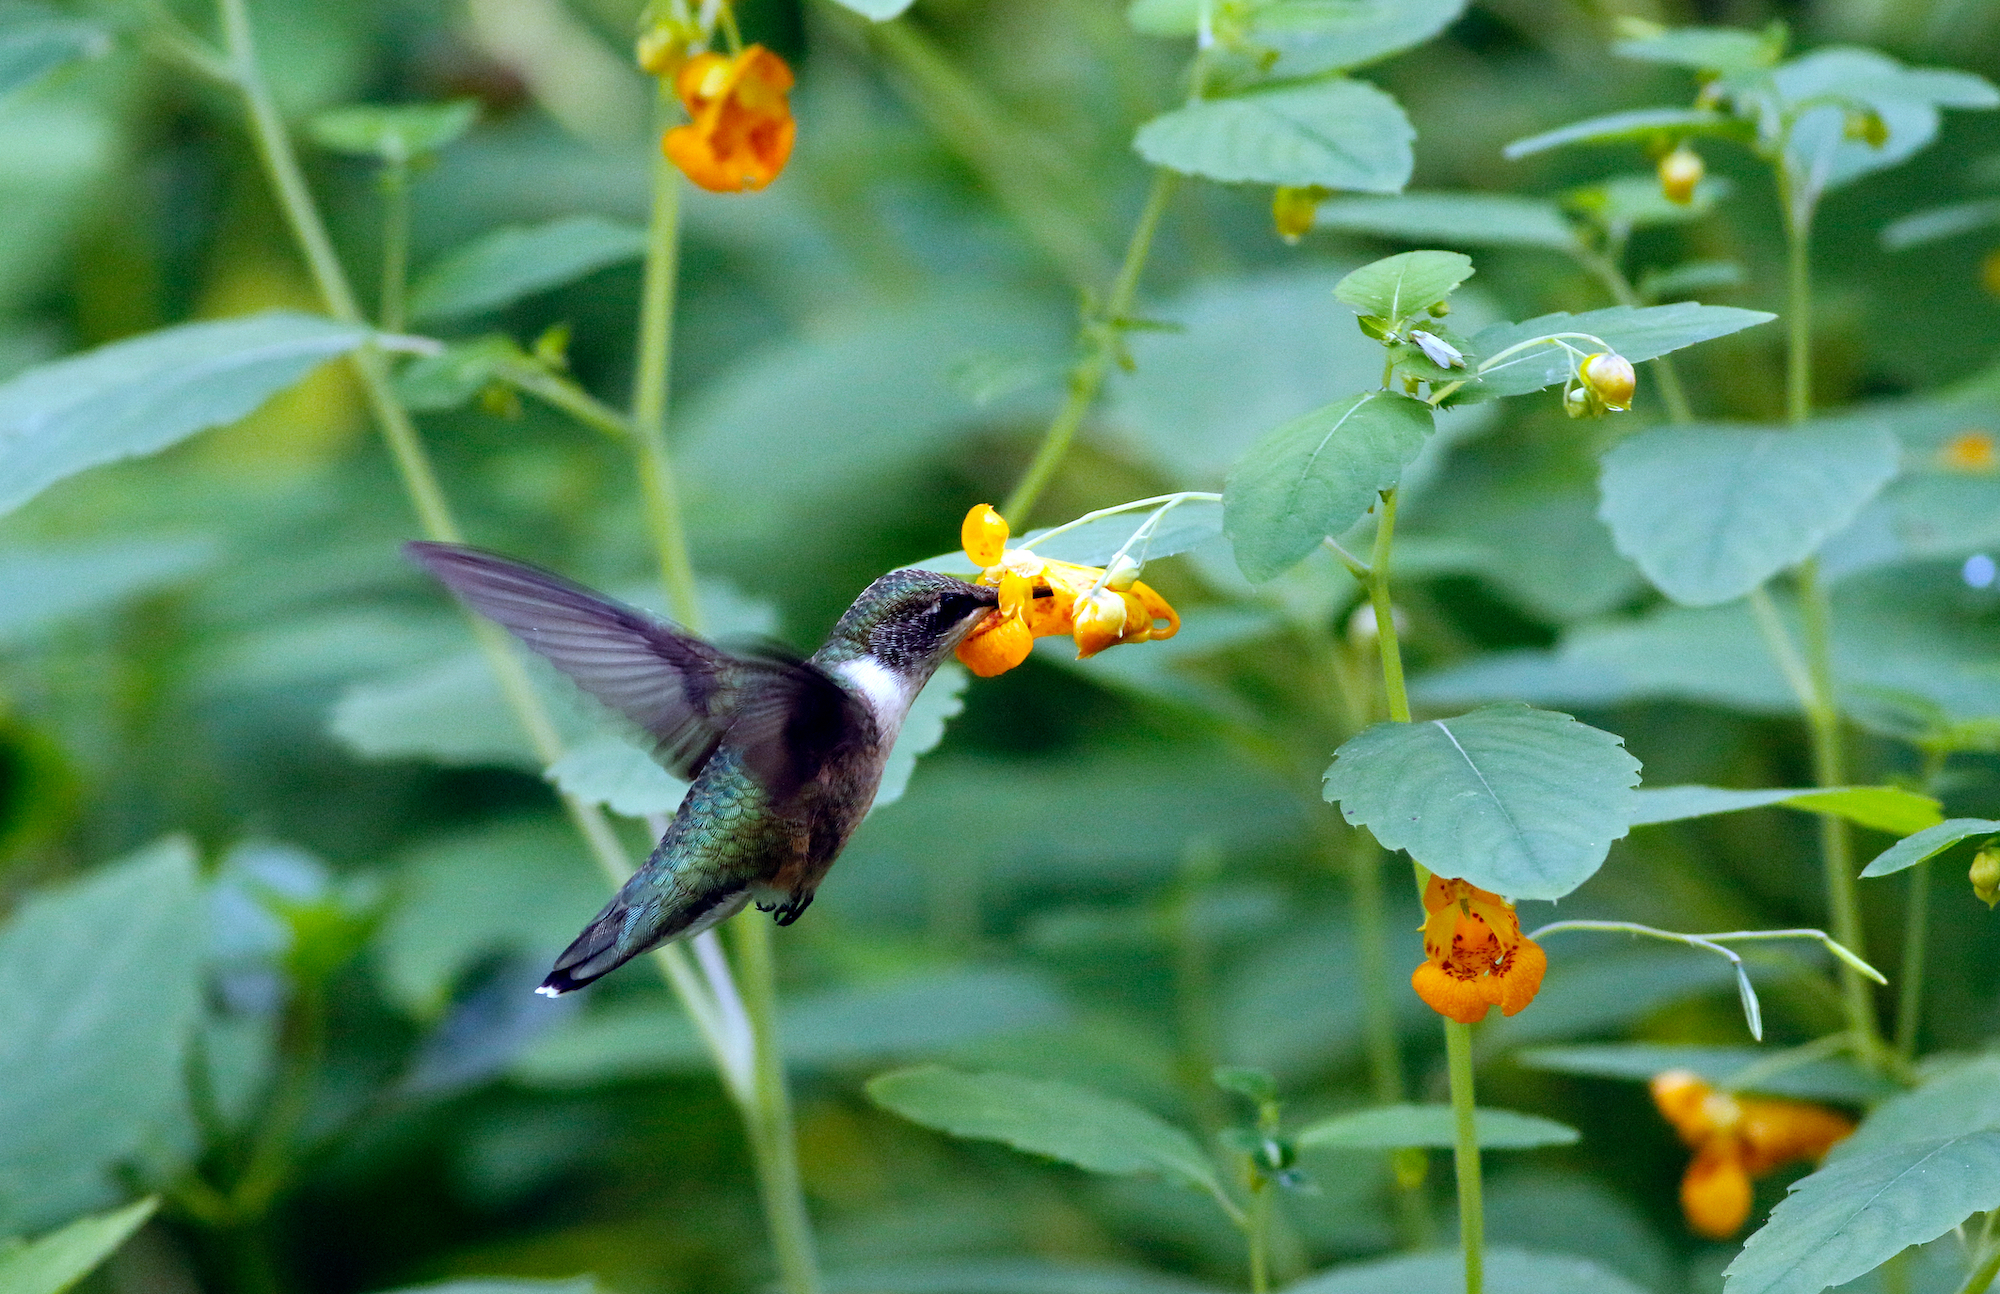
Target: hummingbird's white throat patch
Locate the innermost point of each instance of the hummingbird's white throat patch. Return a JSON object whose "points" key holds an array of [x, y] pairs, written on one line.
{"points": [[888, 693]]}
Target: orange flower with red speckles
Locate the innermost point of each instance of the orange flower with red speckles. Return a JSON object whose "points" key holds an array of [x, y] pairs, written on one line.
{"points": [[742, 128], [1476, 956]]}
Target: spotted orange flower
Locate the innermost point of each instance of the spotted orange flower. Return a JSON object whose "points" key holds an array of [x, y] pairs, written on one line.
{"points": [[1476, 957], [1043, 598], [1735, 1139], [742, 128]]}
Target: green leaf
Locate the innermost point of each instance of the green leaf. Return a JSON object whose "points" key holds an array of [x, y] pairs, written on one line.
{"points": [[1317, 475], [1391, 1127], [508, 1285], [1719, 50], [1338, 134], [1396, 287], [1189, 523], [451, 711], [1462, 219], [1940, 223], [393, 134], [140, 396], [1617, 127], [1962, 1098], [1906, 99], [1741, 1069], [835, 1029], [102, 987], [500, 268], [1059, 1120], [35, 40], [60, 1259], [610, 769], [1688, 278], [1444, 1273], [1636, 332], [1307, 37], [1628, 202], [1879, 808], [877, 10], [459, 372], [941, 701], [41, 586], [1929, 843], [1862, 1209], [1519, 801], [1710, 513]]}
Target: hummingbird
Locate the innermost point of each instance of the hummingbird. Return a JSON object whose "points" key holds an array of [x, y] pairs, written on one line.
{"points": [[784, 752]]}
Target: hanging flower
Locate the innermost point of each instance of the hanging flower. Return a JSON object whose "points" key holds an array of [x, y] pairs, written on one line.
{"points": [[1476, 956], [1610, 380], [742, 128], [1680, 171], [1294, 209], [1043, 598], [1735, 1139]]}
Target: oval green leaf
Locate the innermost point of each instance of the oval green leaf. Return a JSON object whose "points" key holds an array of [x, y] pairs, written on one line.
{"points": [[1719, 50], [1879, 808], [1397, 287], [1617, 127], [1710, 513], [1317, 475], [1929, 843], [520, 260], [1519, 801], [1463, 219], [1636, 332], [1338, 134], [1393, 1126]]}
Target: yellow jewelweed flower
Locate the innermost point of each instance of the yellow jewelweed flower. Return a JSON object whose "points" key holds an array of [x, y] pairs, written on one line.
{"points": [[1735, 1139], [1042, 598], [1476, 956]]}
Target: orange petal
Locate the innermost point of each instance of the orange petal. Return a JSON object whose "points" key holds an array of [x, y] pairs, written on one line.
{"points": [[1521, 978], [984, 533], [1165, 624], [1715, 1193], [996, 646], [1682, 1099], [1454, 998], [1777, 1132]]}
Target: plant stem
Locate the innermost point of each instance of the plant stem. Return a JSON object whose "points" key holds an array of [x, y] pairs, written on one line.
{"points": [[649, 397], [1257, 1232], [395, 181], [1798, 308], [772, 1141], [1101, 340], [1385, 611], [1982, 1275], [1465, 1155], [1916, 932]]}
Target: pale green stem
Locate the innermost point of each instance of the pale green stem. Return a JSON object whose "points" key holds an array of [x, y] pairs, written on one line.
{"points": [[1387, 642], [1465, 1155], [1798, 303], [1988, 1265], [395, 181], [657, 482], [274, 148], [1257, 1232], [1916, 933], [1101, 340], [773, 1142]]}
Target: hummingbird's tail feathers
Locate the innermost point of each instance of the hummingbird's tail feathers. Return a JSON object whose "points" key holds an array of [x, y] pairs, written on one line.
{"points": [[624, 930]]}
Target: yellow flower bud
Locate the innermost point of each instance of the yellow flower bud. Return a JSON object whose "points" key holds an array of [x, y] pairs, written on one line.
{"points": [[1680, 171], [1610, 379], [1985, 876], [984, 534], [1292, 211], [661, 51], [1100, 622]]}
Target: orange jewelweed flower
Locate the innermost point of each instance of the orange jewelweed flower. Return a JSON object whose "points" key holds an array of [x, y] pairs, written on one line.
{"points": [[1043, 598], [1476, 956], [1737, 1138], [742, 130]]}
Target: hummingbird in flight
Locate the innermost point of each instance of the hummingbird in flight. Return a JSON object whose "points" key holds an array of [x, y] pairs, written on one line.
{"points": [[784, 752]]}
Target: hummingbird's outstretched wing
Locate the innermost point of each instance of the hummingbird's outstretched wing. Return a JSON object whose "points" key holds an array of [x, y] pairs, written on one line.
{"points": [[784, 714]]}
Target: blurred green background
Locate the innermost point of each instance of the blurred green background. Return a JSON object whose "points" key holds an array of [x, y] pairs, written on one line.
{"points": [[1118, 872]]}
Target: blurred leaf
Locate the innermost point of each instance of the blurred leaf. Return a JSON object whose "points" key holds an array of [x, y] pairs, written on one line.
{"points": [[39, 586], [1537, 539], [1906, 99], [1618, 127], [99, 990], [1962, 1098], [524, 887], [1929, 843], [1310, 36], [459, 372], [1864, 1208], [1684, 280], [1710, 513], [1338, 134], [941, 701], [878, 10], [1444, 1273], [832, 1029], [393, 133], [609, 769], [1718, 50], [1636, 332], [35, 40], [520, 260], [54, 1262], [140, 396], [508, 1285], [1940, 223], [1073, 1124], [1880, 808], [1519, 801], [1009, 1276], [1460, 219], [451, 712], [1730, 1068], [1317, 475], [1391, 1127], [1624, 203]]}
